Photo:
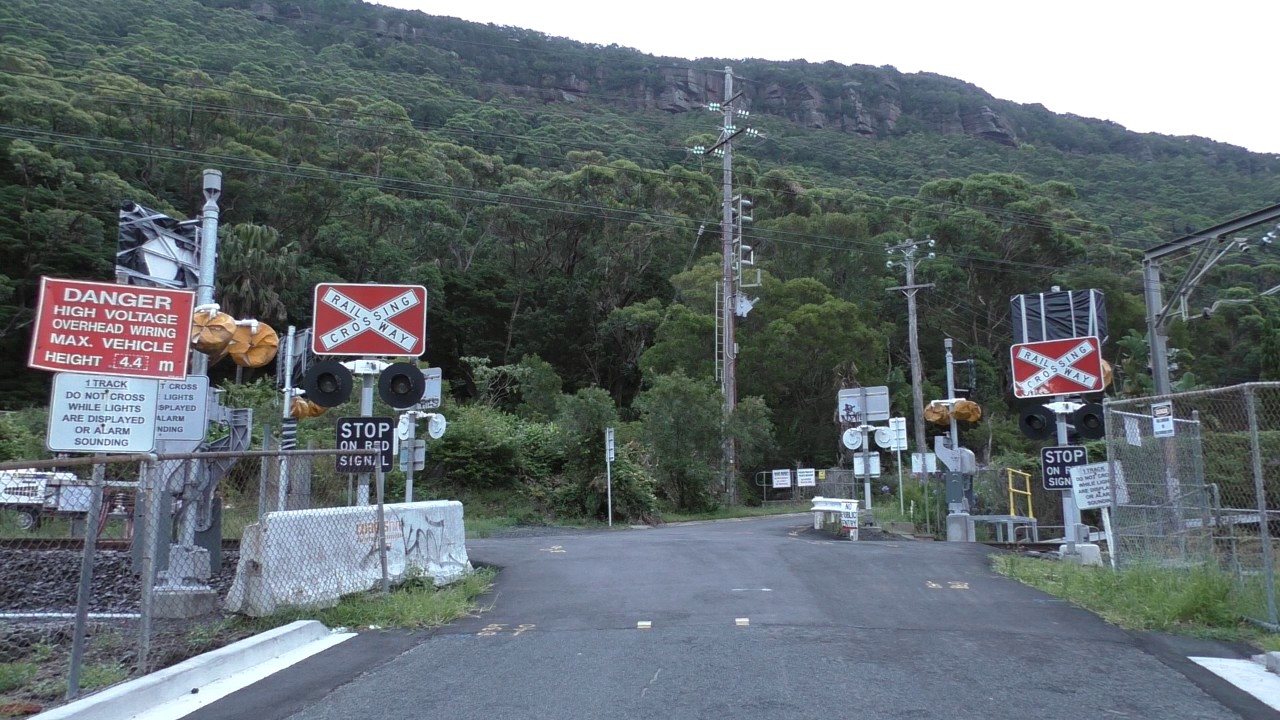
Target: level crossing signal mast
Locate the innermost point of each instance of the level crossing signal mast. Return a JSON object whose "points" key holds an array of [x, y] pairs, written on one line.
{"points": [[1056, 360], [367, 321]]}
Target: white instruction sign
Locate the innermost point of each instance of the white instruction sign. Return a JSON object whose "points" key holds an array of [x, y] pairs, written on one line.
{"points": [[924, 462], [806, 477], [102, 414], [866, 464], [431, 396], [181, 409], [1092, 485], [782, 478]]}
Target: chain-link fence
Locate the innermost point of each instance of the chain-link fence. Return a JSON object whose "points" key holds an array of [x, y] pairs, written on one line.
{"points": [[1196, 483], [117, 565]]}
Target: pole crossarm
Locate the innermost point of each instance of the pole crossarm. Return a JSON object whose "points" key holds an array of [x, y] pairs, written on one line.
{"points": [[1187, 242], [926, 286], [1157, 310]]}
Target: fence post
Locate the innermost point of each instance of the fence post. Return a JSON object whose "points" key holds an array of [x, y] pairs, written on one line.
{"points": [[150, 480], [382, 530], [1260, 490], [264, 472], [86, 579]]}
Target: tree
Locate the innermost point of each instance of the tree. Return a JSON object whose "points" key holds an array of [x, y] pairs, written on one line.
{"points": [[256, 266], [680, 421]]}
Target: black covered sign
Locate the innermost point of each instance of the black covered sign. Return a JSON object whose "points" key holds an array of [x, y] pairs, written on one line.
{"points": [[1059, 315]]}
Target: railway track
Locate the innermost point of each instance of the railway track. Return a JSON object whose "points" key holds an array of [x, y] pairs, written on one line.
{"points": [[1029, 546], [39, 543]]}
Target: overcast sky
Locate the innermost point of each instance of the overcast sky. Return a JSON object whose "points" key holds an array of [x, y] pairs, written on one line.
{"points": [[1177, 68]]}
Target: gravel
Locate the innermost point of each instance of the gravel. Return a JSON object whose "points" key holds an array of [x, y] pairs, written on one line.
{"points": [[48, 580]]}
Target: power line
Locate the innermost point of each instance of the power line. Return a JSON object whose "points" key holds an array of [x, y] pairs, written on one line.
{"points": [[527, 202]]}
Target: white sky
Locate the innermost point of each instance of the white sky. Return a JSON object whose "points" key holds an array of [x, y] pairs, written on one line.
{"points": [[1172, 67]]}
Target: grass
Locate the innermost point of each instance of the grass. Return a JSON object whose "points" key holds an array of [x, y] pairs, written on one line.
{"points": [[1198, 602], [14, 675], [100, 675], [414, 605], [737, 511], [482, 527]]}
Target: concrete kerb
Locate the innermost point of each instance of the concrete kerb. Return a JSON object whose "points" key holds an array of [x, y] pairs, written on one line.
{"points": [[125, 700]]}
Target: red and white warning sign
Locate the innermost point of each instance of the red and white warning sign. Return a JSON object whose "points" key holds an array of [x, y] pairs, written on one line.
{"points": [[109, 329], [1057, 367], [351, 319]]}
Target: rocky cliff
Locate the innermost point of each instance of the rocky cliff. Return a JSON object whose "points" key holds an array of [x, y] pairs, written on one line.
{"points": [[859, 100]]}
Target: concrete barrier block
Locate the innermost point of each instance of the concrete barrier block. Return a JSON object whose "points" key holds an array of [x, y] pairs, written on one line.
{"points": [[311, 558], [1088, 554]]}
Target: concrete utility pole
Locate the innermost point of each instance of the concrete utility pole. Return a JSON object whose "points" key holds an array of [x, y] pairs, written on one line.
{"points": [[727, 356], [910, 260], [729, 378]]}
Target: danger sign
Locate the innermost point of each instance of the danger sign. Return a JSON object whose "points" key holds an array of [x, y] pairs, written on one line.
{"points": [[108, 329], [1057, 367], [380, 320]]}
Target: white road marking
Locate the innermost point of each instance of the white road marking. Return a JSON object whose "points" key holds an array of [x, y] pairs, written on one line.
{"points": [[644, 625], [742, 622], [1247, 675]]}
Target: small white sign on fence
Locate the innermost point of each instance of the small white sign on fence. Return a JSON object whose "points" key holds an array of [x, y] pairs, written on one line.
{"points": [[806, 477], [782, 478], [1162, 419]]}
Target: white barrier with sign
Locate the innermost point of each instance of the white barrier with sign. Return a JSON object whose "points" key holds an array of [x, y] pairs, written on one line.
{"points": [[311, 558], [847, 509]]}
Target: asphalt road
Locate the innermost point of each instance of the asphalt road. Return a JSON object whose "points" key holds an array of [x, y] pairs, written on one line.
{"points": [[746, 620]]}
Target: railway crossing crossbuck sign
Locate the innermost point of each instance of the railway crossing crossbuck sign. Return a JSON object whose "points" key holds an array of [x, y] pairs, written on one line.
{"points": [[378, 320], [1057, 367]]}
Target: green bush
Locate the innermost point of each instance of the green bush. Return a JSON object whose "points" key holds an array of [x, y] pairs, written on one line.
{"points": [[481, 448], [487, 448], [585, 493]]}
